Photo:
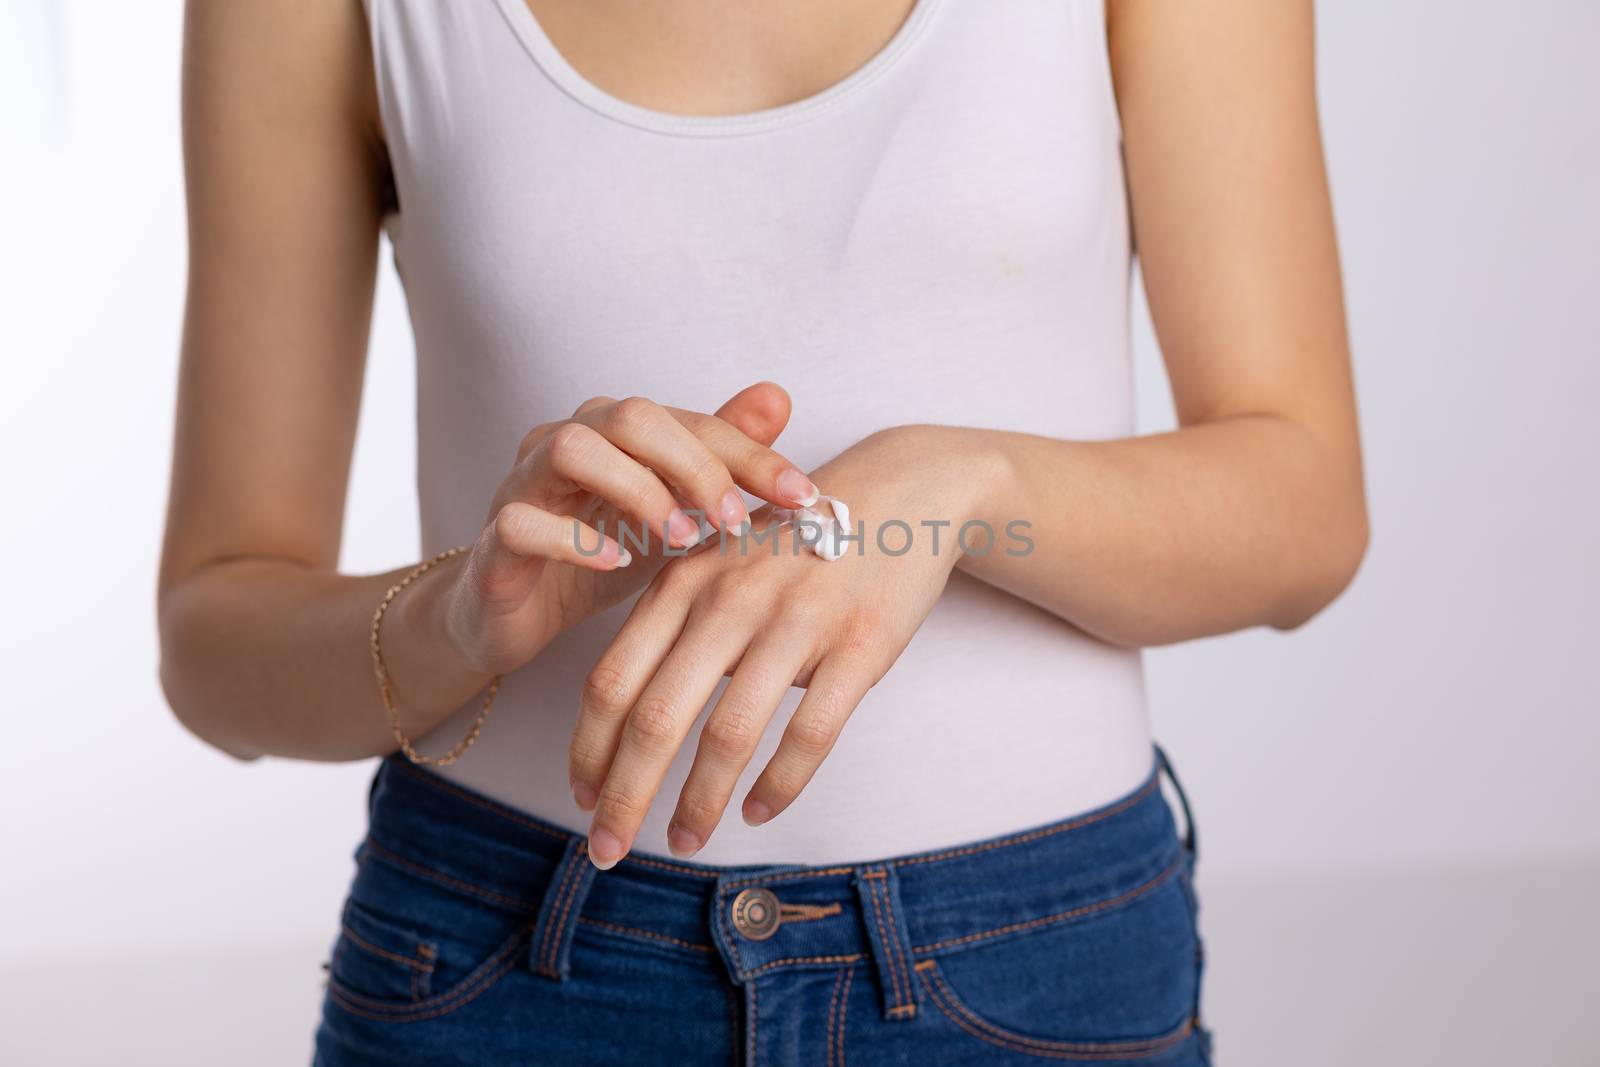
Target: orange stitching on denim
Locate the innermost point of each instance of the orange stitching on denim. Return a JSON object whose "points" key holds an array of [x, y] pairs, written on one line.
{"points": [[877, 919], [897, 952], [947, 1001], [1132, 1045], [1034, 835], [489, 972], [800, 913], [651, 934], [728, 939], [385, 953], [547, 953], [579, 857], [833, 1011], [765, 967], [883, 940], [750, 1038], [790, 876], [343, 1000], [429, 873], [679, 868], [896, 957], [1070, 913], [540, 950], [936, 857], [844, 1009]]}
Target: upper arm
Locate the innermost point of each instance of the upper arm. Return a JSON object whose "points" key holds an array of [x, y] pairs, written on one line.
{"points": [[1232, 212], [284, 175]]}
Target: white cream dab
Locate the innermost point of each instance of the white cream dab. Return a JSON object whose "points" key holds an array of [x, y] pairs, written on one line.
{"points": [[827, 523]]}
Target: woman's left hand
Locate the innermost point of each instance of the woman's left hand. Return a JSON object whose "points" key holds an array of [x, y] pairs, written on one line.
{"points": [[773, 617]]}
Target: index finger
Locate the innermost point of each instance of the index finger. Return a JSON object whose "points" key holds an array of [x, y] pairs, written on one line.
{"points": [[752, 465]]}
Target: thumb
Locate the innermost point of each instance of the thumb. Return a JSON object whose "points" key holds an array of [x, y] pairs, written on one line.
{"points": [[759, 412]]}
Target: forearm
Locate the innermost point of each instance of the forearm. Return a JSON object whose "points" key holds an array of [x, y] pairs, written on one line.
{"points": [[270, 657], [1222, 525]]}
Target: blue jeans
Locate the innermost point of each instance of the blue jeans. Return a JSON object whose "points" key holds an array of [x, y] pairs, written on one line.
{"points": [[475, 934]]}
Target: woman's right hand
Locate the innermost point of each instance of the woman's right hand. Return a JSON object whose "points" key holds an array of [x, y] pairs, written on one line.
{"points": [[535, 570]]}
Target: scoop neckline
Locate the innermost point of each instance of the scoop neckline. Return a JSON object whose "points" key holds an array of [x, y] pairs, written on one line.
{"points": [[567, 77]]}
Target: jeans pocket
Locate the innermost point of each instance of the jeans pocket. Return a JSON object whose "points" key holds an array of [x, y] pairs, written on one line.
{"points": [[378, 958], [1118, 986], [413, 946]]}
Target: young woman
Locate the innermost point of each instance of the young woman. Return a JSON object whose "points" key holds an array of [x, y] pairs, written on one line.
{"points": [[741, 803]]}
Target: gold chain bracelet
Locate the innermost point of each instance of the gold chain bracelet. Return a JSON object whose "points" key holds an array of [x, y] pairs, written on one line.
{"points": [[386, 688]]}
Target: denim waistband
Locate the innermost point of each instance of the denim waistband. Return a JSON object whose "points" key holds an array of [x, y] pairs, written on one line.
{"points": [[889, 914]]}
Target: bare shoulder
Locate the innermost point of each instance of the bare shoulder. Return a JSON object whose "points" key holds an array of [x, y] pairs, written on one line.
{"points": [[273, 64]]}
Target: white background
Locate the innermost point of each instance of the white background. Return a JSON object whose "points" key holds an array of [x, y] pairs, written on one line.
{"points": [[1400, 849]]}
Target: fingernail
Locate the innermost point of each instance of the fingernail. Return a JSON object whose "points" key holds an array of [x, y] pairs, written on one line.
{"points": [[682, 843], [613, 553], [682, 530], [734, 516], [755, 813], [604, 849], [585, 796], [797, 487]]}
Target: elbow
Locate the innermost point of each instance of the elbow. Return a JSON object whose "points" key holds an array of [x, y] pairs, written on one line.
{"points": [[180, 671], [200, 718], [1327, 569]]}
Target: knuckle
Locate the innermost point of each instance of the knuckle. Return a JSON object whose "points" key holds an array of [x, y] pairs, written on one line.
{"points": [[622, 802], [633, 413], [606, 691], [592, 403], [653, 724], [510, 524], [587, 758], [568, 443], [697, 809], [783, 784], [731, 733], [516, 528], [859, 635], [814, 735]]}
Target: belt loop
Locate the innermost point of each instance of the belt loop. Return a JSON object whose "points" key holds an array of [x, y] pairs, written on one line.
{"points": [[884, 917], [1190, 839], [558, 913]]}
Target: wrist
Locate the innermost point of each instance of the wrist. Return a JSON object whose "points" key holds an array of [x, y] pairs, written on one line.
{"points": [[926, 475], [433, 665], [960, 473]]}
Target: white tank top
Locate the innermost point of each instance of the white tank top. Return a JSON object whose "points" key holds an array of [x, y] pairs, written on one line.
{"points": [[942, 237]]}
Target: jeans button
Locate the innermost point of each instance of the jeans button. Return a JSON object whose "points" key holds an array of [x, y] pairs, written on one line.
{"points": [[755, 914]]}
